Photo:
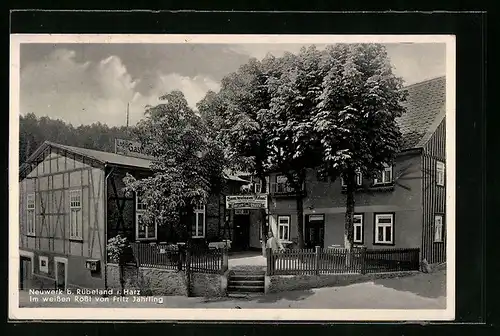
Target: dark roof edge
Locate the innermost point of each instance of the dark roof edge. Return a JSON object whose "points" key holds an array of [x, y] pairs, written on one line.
{"points": [[432, 128], [423, 82], [410, 151]]}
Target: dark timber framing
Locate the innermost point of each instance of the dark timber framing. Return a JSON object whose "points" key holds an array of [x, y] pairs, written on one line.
{"points": [[51, 202], [434, 196]]}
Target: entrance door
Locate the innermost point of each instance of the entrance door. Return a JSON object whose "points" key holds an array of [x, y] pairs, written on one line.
{"points": [[61, 273], [315, 231], [241, 239], [24, 273]]}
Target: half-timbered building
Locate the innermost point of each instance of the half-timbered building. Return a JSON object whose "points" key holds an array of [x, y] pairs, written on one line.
{"points": [[72, 201]]}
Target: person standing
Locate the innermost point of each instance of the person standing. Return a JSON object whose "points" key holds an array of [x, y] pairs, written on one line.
{"points": [[273, 243]]}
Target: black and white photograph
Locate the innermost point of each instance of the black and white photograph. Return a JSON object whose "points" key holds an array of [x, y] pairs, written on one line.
{"points": [[219, 177]]}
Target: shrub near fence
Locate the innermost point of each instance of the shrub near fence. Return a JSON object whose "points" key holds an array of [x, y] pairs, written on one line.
{"points": [[173, 257], [340, 261]]}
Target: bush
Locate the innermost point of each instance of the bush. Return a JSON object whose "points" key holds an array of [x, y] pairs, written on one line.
{"points": [[118, 249]]}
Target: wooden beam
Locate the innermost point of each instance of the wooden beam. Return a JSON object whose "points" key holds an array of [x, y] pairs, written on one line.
{"points": [[59, 173], [69, 218], [60, 189], [81, 203], [63, 201], [47, 237], [91, 188]]}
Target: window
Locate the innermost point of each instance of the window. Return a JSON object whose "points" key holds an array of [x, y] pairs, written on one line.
{"points": [[384, 229], [438, 228], [358, 178], [145, 228], [440, 173], [198, 229], [43, 264], [75, 205], [384, 176], [258, 187], [358, 229], [284, 228], [30, 214], [281, 184]]}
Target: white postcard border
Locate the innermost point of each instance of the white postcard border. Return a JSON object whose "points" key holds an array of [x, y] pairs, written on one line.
{"points": [[17, 313]]}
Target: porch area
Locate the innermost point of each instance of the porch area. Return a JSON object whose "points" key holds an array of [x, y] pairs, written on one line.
{"points": [[246, 261]]}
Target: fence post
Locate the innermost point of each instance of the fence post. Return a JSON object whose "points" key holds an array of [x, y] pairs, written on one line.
{"points": [[188, 270], [316, 259], [225, 260], [180, 258], [270, 261]]}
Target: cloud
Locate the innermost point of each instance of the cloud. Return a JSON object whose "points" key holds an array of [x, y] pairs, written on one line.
{"points": [[83, 93]]}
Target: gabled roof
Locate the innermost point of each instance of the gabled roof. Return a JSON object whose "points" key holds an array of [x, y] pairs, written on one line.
{"points": [[100, 156], [425, 109], [109, 158]]}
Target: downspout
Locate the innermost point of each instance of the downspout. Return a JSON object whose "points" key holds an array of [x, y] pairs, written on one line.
{"points": [[106, 224]]}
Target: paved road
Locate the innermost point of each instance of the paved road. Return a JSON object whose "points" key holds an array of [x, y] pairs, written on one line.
{"points": [[423, 291]]}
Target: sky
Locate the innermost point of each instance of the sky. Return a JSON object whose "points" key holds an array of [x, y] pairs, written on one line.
{"points": [[86, 83]]}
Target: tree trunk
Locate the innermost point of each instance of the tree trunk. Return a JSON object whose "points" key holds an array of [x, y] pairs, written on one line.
{"points": [[298, 186], [349, 215], [263, 215], [300, 219]]}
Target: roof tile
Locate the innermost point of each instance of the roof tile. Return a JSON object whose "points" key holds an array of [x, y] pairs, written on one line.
{"points": [[425, 104]]}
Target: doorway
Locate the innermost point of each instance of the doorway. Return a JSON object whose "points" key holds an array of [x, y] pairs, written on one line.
{"points": [[241, 239], [61, 272], [25, 273], [315, 231]]}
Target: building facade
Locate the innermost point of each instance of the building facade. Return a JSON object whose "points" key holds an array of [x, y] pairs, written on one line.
{"points": [[71, 202], [403, 207]]}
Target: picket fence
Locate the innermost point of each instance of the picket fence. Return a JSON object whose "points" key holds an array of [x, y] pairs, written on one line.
{"points": [[341, 261], [178, 257]]}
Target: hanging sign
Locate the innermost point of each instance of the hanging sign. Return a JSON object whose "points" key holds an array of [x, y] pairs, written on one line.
{"points": [[129, 148], [313, 218], [246, 202]]}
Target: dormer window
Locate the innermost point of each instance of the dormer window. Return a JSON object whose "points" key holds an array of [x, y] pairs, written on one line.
{"points": [[281, 186], [384, 176]]}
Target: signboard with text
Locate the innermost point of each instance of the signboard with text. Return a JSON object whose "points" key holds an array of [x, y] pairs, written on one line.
{"points": [[129, 148], [246, 202]]}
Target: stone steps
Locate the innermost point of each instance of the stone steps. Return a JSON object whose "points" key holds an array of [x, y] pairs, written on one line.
{"points": [[246, 282]]}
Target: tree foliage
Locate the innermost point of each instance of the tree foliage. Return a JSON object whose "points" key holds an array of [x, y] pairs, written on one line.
{"points": [[33, 131], [294, 96], [244, 98], [356, 115], [187, 164]]}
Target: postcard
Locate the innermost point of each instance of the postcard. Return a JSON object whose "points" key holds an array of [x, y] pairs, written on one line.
{"points": [[232, 177]]}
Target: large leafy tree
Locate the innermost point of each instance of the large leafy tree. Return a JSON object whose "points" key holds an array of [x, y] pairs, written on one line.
{"points": [[356, 116], [186, 164], [295, 95], [237, 110]]}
